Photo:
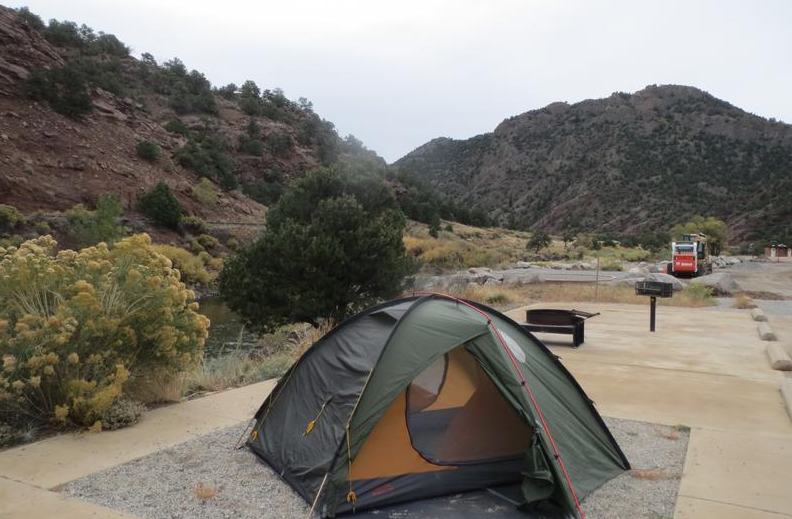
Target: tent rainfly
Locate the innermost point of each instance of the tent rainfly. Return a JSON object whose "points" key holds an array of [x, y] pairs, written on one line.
{"points": [[432, 395]]}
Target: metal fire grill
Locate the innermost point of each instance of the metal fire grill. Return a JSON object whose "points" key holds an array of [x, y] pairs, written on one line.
{"points": [[653, 289]]}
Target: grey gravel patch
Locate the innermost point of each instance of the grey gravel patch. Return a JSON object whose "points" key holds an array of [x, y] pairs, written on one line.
{"points": [[648, 447], [163, 484]]}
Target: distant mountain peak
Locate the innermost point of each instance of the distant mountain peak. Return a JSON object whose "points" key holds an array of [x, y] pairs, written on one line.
{"points": [[624, 164]]}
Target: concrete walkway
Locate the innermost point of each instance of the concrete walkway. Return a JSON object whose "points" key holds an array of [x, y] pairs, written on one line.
{"points": [[703, 368], [28, 473]]}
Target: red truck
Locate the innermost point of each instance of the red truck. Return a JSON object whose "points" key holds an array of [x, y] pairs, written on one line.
{"points": [[690, 256]]}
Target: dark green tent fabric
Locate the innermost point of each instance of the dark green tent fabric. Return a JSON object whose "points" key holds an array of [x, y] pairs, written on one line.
{"points": [[352, 376]]}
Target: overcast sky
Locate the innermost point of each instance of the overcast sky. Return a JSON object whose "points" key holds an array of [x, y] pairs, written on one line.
{"points": [[397, 74]]}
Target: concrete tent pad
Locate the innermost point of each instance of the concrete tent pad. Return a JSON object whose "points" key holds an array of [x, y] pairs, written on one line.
{"points": [[20, 501], [700, 340], [695, 508], [673, 397], [66, 457], [747, 470]]}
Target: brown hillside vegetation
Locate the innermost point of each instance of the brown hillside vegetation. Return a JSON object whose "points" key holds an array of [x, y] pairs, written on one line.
{"points": [[50, 161]]}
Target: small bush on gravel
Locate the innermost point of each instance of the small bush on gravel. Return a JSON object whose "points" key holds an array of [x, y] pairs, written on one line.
{"points": [[123, 413], [75, 325], [147, 150]]}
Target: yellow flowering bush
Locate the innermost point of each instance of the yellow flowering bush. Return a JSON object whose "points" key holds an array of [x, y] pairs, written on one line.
{"points": [[75, 325]]}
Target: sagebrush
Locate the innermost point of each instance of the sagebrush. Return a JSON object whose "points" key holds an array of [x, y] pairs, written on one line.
{"points": [[74, 326]]}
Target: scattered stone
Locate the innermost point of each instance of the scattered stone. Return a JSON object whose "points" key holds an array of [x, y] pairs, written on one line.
{"points": [[757, 314], [778, 357], [721, 283], [766, 333]]}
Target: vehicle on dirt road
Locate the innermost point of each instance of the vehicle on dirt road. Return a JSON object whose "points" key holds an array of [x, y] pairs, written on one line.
{"points": [[690, 256]]}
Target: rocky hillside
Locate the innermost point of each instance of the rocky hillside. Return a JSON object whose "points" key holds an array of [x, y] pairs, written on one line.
{"points": [[75, 106], [625, 165]]}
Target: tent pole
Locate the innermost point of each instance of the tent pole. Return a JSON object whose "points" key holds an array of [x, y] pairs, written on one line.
{"points": [[316, 499]]}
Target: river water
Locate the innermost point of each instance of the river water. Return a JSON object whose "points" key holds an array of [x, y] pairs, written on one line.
{"points": [[227, 332]]}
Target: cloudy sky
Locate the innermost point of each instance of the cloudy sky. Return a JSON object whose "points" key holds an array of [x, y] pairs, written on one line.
{"points": [[396, 74]]}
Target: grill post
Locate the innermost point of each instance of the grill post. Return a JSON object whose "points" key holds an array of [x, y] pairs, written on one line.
{"points": [[652, 312]]}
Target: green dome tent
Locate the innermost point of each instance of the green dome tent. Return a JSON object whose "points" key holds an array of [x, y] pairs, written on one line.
{"points": [[426, 396]]}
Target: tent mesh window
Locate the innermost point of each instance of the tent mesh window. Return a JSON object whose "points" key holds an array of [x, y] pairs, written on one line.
{"points": [[456, 415]]}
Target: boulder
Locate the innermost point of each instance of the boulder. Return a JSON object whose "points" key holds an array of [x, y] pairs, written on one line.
{"points": [[779, 360], [493, 281], [720, 283], [478, 270], [641, 270], [525, 277], [522, 265], [765, 332], [665, 278], [626, 281]]}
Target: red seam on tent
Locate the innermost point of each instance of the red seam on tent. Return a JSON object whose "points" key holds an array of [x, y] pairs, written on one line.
{"points": [[530, 394]]}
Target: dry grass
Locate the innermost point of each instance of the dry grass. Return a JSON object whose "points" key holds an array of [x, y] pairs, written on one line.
{"points": [[466, 246], [505, 296], [205, 492], [157, 387], [742, 301], [654, 475], [241, 367]]}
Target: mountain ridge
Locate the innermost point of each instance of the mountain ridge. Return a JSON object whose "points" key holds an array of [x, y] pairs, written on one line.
{"points": [[593, 165]]}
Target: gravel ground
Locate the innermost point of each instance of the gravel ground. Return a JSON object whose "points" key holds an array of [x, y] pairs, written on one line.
{"points": [[657, 455], [164, 485]]}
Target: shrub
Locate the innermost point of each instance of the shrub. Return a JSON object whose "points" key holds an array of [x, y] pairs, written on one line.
{"points": [[204, 192], [75, 325], [42, 228], [122, 413], [208, 241], [194, 225], [263, 192], [161, 206], [177, 126], [280, 144], [207, 157], [91, 227], [699, 292], [10, 218], [539, 240], [32, 20], [147, 150], [324, 254], [191, 267], [610, 264], [65, 89]]}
